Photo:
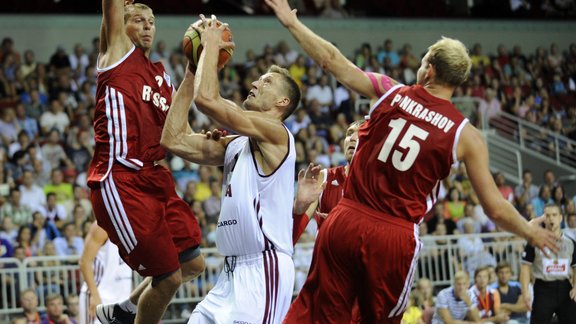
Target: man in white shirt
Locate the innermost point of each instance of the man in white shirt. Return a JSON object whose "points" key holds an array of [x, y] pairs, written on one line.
{"points": [[31, 195]]}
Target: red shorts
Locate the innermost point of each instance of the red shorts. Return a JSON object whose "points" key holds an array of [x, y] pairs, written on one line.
{"points": [[360, 254], [145, 218]]}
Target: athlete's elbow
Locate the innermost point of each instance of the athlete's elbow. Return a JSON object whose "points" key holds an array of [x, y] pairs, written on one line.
{"points": [[204, 103], [167, 141]]}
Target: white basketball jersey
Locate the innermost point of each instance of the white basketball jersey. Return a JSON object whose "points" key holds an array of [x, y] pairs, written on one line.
{"points": [[256, 213], [112, 275]]}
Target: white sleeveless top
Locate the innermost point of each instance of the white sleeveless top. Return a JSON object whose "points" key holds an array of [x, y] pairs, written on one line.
{"points": [[112, 275], [256, 213]]}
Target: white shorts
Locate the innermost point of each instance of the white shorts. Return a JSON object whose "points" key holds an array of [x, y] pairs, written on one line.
{"points": [[259, 289]]}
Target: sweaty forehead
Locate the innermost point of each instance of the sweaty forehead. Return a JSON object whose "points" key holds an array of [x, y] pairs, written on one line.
{"points": [[139, 12]]}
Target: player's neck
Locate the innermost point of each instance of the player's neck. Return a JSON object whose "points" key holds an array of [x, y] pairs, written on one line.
{"points": [[439, 91]]}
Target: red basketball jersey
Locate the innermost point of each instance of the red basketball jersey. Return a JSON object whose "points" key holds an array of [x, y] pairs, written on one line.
{"points": [[132, 100], [333, 191], [407, 146]]}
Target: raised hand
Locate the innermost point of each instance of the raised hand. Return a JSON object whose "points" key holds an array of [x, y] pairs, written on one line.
{"points": [[283, 12], [210, 31], [310, 185]]}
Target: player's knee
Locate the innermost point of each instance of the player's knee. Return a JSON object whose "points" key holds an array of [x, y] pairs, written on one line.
{"points": [[168, 281], [193, 268]]}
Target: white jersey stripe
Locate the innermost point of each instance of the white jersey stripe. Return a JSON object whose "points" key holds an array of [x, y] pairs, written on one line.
{"points": [[122, 212], [111, 194], [120, 131], [455, 145], [112, 217], [276, 279], [384, 96], [404, 297], [110, 127]]}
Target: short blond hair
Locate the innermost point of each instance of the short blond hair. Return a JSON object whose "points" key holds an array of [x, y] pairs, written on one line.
{"points": [[451, 60], [129, 9]]}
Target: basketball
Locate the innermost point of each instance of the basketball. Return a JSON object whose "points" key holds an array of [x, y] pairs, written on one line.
{"points": [[192, 47]]}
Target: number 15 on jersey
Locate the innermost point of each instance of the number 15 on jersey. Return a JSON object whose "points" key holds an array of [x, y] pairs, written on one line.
{"points": [[402, 161]]}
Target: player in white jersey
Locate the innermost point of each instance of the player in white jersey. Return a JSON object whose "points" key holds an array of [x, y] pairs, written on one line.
{"points": [[107, 279], [254, 231]]}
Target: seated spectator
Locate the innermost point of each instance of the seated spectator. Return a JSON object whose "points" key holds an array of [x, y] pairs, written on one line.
{"points": [[454, 205], [69, 244], [456, 303], [53, 211], [53, 152], [570, 229], [8, 230], [544, 198], [506, 190], [424, 286], [413, 313], [27, 241], [72, 307], [212, 205], [469, 217], [55, 311], [438, 218], [29, 304], [526, 191], [54, 118], [489, 106], [9, 127], [43, 230], [488, 298], [510, 293], [20, 214], [6, 248], [63, 190]]}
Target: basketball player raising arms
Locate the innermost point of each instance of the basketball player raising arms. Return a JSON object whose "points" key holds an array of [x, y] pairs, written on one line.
{"points": [[254, 230], [368, 246], [134, 198]]}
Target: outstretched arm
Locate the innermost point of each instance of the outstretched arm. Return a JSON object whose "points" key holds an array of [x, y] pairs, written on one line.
{"points": [[114, 42], [473, 152], [327, 56]]}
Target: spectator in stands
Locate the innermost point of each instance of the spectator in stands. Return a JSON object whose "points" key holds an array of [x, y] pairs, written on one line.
{"points": [[20, 214], [78, 61], [72, 307], [63, 190], [456, 303], [55, 311], [469, 216], [8, 230], [42, 230], [27, 241], [570, 229], [413, 313], [29, 304], [9, 127], [298, 69], [55, 118], [284, 55], [53, 211], [478, 57], [6, 250], [70, 243], [37, 104], [544, 198], [29, 64], [454, 205], [487, 297], [555, 285], [489, 106], [31, 195], [424, 286], [506, 190], [211, 206], [322, 92], [526, 191], [59, 62], [558, 197], [438, 218], [510, 292], [388, 52], [53, 152]]}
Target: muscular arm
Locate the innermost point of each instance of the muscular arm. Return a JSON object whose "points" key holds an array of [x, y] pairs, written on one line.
{"points": [[473, 152], [178, 136], [94, 240], [327, 56], [525, 273], [115, 42]]}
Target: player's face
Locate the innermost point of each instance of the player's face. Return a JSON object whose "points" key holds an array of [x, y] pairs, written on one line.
{"points": [[141, 28], [350, 142], [264, 93]]}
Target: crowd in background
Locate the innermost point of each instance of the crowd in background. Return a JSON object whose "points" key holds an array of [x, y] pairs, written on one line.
{"points": [[47, 139]]}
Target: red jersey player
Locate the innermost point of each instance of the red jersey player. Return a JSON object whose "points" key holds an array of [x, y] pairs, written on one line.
{"points": [[368, 247], [305, 204], [134, 198]]}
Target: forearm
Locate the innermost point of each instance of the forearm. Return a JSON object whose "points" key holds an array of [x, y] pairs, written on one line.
{"points": [[176, 124], [508, 218], [524, 278], [206, 85]]}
